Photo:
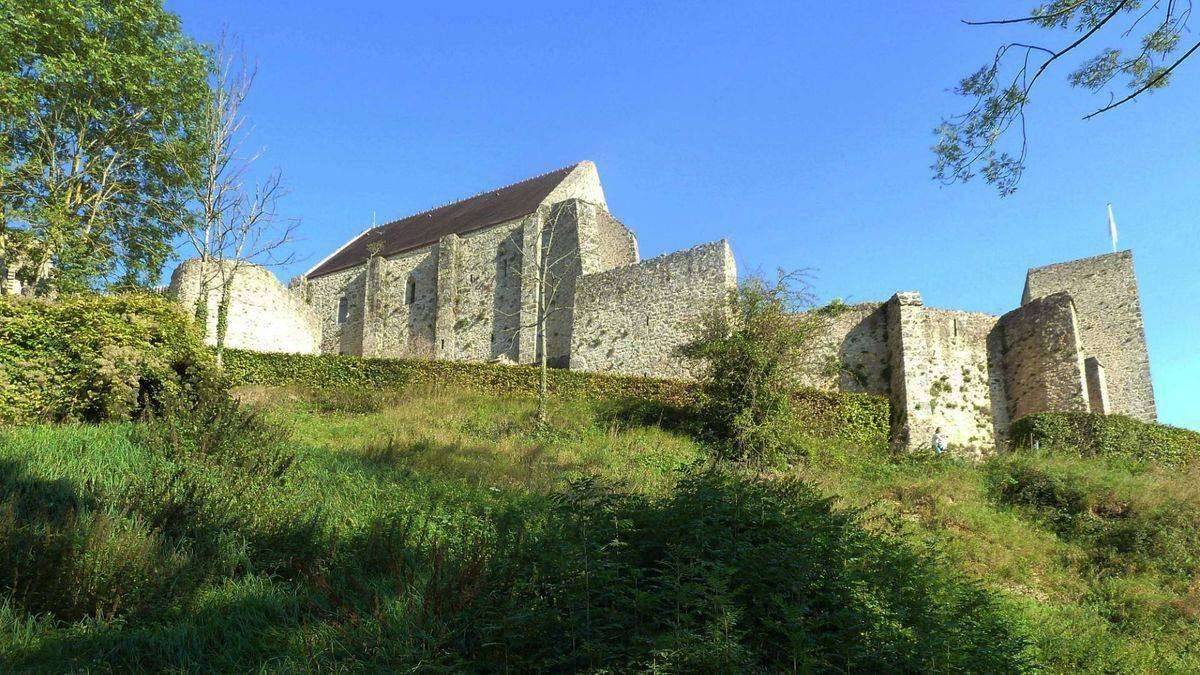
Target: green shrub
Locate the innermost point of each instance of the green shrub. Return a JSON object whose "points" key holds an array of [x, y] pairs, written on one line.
{"points": [[730, 574], [1108, 435], [93, 358], [859, 418], [751, 355], [1113, 511], [337, 371], [357, 385]]}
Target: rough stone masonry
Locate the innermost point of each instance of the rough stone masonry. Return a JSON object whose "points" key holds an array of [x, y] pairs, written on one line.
{"points": [[465, 281]]}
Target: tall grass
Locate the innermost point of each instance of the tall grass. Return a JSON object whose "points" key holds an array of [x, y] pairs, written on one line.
{"points": [[441, 530]]}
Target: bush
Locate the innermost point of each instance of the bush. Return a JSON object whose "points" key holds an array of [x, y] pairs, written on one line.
{"points": [[337, 371], [751, 355], [193, 510], [93, 358], [1108, 435], [352, 384], [730, 574], [1126, 525]]}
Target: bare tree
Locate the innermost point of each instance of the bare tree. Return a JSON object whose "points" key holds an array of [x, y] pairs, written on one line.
{"points": [[234, 224], [975, 141], [552, 273]]}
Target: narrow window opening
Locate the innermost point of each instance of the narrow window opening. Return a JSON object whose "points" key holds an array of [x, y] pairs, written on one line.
{"points": [[343, 313], [410, 291]]}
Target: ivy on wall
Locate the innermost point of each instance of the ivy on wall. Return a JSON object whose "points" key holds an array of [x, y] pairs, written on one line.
{"points": [[1108, 435]]}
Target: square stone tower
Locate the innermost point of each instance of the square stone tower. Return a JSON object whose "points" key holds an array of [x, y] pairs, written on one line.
{"points": [[1111, 332]]}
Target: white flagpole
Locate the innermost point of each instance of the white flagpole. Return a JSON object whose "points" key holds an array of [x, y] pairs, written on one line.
{"points": [[1112, 228]]}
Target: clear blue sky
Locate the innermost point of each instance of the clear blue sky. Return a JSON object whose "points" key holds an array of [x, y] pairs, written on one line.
{"points": [[798, 130]]}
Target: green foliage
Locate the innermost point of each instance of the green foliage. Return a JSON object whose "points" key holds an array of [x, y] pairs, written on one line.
{"points": [[352, 384], [990, 138], [98, 102], [1108, 436], [730, 574], [339, 372], [93, 358], [433, 528], [751, 355], [1125, 529], [163, 547], [859, 418]]}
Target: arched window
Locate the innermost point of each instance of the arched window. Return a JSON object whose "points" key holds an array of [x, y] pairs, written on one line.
{"points": [[410, 290]]}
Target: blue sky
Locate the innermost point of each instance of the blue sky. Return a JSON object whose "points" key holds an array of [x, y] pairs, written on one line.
{"points": [[798, 130]]}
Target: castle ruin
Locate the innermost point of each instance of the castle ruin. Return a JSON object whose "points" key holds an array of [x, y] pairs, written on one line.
{"points": [[465, 281]]}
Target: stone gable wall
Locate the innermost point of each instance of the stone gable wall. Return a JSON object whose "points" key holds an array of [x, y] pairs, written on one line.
{"points": [[323, 294], [1109, 312], [263, 314], [632, 319]]}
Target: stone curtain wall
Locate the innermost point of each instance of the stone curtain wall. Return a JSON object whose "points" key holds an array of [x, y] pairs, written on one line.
{"points": [[946, 372], [851, 354], [263, 315], [1109, 312], [1043, 360], [631, 320]]}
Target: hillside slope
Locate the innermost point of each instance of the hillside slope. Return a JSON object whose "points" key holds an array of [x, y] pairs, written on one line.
{"points": [[436, 527]]}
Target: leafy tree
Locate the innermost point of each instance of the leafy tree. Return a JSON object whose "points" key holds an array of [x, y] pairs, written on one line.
{"points": [[95, 97], [752, 353], [990, 137]]}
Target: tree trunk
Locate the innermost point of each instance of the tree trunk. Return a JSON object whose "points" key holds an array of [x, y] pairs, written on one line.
{"points": [[201, 310], [223, 318], [541, 329], [542, 393]]}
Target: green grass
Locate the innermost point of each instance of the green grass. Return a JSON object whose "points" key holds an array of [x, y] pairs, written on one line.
{"points": [[441, 530], [1101, 554]]}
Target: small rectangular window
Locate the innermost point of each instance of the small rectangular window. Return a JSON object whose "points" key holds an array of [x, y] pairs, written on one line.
{"points": [[343, 310]]}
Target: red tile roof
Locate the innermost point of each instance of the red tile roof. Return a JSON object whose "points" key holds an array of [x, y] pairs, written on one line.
{"points": [[422, 229]]}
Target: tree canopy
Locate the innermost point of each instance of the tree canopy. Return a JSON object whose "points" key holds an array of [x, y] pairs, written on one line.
{"points": [[96, 102], [1146, 44]]}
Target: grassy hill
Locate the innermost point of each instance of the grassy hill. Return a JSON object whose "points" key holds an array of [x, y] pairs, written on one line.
{"points": [[437, 529]]}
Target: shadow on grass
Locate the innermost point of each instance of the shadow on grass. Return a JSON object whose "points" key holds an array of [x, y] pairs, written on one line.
{"points": [[631, 412], [528, 465]]}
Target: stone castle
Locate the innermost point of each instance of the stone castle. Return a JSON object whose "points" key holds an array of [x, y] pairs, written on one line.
{"points": [[465, 281]]}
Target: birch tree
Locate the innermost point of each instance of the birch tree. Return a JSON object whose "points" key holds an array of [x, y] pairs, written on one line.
{"points": [[95, 97], [233, 220]]}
